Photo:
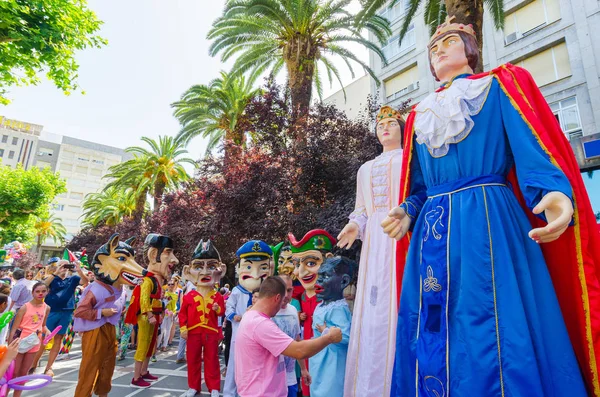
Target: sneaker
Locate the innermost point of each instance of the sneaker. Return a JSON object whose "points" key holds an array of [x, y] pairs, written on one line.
{"points": [[190, 393], [153, 359], [121, 358], [149, 377], [214, 393], [180, 361], [140, 383]]}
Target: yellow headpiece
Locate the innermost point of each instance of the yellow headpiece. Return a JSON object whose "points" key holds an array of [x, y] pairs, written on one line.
{"points": [[447, 26], [388, 112]]}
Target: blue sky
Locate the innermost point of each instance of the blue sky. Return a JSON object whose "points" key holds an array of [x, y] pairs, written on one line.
{"points": [[157, 49]]}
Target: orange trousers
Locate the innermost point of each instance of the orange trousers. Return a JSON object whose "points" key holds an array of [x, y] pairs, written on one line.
{"points": [[98, 358]]}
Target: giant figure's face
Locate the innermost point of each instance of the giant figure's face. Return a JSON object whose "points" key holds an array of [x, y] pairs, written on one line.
{"points": [[389, 132], [167, 263], [448, 56], [252, 272], [330, 285], [307, 266], [203, 272], [285, 264]]}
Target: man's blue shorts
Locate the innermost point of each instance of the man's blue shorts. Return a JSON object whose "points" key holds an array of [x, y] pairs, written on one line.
{"points": [[61, 317]]}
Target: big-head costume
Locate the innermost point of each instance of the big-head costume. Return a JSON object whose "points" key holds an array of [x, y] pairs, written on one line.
{"points": [[198, 317], [254, 265], [146, 298], [308, 254], [329, 365], [114, 266], [479, 314]]}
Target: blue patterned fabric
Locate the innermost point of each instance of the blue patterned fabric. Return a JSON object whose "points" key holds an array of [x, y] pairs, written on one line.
{"points": [[478, 312]]}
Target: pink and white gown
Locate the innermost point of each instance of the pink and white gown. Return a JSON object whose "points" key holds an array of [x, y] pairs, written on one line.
{"points": [[370, 360]]}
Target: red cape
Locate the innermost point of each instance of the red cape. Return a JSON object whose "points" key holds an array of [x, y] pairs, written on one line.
{"points": [[574, 259]]}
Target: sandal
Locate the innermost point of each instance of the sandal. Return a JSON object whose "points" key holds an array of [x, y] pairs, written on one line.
{"points": [[49, 372]]}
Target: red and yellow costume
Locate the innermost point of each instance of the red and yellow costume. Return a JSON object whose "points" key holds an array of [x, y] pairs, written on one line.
{"points": [[146, 298], [200, 321], [574, 259]]}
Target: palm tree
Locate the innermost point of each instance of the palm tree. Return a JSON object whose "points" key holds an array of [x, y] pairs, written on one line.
{"points": [[301, 35], [127, 176], [214, 111], [161, 166], [110, 206], [466, 11], [47, 225]]}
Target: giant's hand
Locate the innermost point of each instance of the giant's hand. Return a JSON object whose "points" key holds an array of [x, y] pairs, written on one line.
{"points": [[396, 224], [558, 209], [347, 236]]}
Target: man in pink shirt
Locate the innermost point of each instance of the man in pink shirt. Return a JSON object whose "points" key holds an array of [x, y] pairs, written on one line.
{"points": [[260, 345]]}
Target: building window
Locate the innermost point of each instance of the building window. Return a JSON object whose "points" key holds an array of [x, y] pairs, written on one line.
{"points": [[58, 207], [42, 164], [45, 152], [402, 84], [4, 138], [393, 13], [73, 208], [11, 154], [96, 172], [550, 65], [392, 49], [15, 140], [101, 162], [80, 158], [591, 180], [71, 223], [76, 182], [66, 166], [567, 114], [81, 170], [1, 152], [530, 18], [76, 196]]}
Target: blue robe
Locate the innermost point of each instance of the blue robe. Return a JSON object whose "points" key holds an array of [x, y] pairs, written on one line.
{"points": [[328, 367], [478, 312]]}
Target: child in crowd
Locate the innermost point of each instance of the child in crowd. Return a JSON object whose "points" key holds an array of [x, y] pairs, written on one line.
{"points": [[30, 324]]}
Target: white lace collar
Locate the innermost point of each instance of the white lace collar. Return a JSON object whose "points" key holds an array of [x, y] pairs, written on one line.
{"points": [[444, 117]]}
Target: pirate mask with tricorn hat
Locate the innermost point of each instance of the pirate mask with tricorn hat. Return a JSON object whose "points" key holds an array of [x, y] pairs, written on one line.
{"points": [[309, 253]]}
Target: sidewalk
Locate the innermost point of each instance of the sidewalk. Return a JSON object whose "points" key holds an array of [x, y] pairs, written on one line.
{"points": [[172, 380]]}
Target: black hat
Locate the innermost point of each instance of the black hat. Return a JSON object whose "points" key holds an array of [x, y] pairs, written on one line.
{"points": [[158, 241], [206, 250]]}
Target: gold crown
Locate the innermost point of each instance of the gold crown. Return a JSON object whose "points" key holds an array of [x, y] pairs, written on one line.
{"points": [[447, 26], [387, 112]]}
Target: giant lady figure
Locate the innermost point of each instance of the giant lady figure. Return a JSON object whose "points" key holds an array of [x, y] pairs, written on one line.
{"points": [[501, 226], [371, 350]]}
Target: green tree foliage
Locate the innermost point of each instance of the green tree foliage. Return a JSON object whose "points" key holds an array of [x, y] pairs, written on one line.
{"points": [[48, 226], [111, 206], [300, 35], [435, 12], [214, 111], [25, 195], [153, 170], [44, 35]]}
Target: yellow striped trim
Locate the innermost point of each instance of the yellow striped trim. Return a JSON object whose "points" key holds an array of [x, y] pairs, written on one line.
{"points": [[487, 217], [577, 230]]}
